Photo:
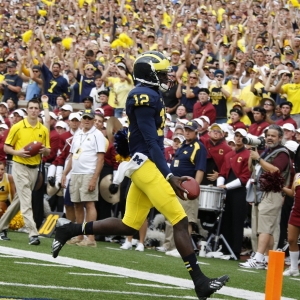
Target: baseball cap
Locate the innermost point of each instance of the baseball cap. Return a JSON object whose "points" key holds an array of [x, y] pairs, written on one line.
{"points": [[291, 145], [87, 98], [290, 104], [219, 71], [53, 115], [236, 110], [122, 65], [204, 90], [168, 116], [178, 136], [205, 118], [175, 51], [4, 126], [4, 103], [288, 126], [284, 72], [61, 124], [104, 92], [242, 131], [191, 125], [88, 113], [199, 121], [99, 110], [20, 112], [215, 126], [74, 116], [88, 66], [11, 64], [67, 107]]}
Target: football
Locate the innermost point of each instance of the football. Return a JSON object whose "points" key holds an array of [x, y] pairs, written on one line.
{"points": [[33, 148], [193, 188]]}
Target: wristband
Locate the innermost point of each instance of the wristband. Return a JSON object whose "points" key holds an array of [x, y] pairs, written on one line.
{"points": [[169, 176], [45, 105]]}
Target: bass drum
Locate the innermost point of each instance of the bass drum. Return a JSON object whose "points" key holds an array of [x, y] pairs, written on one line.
{"points": [[211, 198]]}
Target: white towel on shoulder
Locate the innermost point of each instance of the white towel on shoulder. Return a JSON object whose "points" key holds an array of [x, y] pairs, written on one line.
{"points": [[126, 168]]}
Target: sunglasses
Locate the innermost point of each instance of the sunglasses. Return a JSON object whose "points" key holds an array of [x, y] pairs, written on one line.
{"points": [[235, 78], [219, 76], [198, 57], [268, 104], [87, 118], [35, 71], [192, 77], [90, 69]]}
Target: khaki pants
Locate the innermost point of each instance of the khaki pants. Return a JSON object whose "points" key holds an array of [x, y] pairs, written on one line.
{"points": [[11, 211], [25, 179]]}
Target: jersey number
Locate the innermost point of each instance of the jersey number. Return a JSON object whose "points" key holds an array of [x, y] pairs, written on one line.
{"points": [[53, 84], [142, 99]]}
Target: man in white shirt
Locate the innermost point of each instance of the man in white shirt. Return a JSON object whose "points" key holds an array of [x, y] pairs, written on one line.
{"points": [[85, 163]]}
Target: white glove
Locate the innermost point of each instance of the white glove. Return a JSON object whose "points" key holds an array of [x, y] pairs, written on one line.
{"points": [[51, 171], [59, 171]]}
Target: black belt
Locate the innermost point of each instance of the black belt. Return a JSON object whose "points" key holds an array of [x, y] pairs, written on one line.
{"points": [[29, 166]]}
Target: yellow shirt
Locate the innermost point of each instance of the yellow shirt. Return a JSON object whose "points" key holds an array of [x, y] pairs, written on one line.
{"points": [[21, 134], [119, 89], [292, 90], [247, 96], [4, 187]]}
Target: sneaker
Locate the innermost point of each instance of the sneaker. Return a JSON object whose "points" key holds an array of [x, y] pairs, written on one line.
{"points": [[161, 249], [126, 246], [62, 234], [3, 236], [291, 272], [134, 242], [87, 243], [173, 253], [74, 241], [34, 240], [253, 264], [211, 286], [140, 247]]}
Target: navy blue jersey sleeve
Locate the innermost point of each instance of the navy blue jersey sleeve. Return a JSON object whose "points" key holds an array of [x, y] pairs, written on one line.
{"points": [[145, 117], [200, 159]]}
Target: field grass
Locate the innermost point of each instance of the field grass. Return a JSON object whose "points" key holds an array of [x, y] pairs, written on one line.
{"points": [[56, 281]]}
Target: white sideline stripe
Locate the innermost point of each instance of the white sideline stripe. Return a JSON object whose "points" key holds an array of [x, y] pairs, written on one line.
{"points": [[298, 279], [90, 265], [10, 256], [157, 286], [38, 264], [248, 271], [91, 290], [154, 255], [93, 274], [111, 248]]}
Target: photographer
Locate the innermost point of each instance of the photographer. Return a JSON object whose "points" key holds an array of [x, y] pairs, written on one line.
{"points": [[265, 215]]}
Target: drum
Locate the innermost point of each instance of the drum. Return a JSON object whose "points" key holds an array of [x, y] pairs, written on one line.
{"points": [[211, 198]]}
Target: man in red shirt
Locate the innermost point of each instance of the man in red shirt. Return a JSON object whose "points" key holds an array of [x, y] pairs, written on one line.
{"points": [[286, 108], [203, 107], [258, 127]]}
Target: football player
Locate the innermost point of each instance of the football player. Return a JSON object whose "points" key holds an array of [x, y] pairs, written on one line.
{"points": [[153, 184]]}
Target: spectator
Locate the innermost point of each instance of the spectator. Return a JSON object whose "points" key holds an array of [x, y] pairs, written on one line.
{"points": [[103, 99], [203, 106], [53, 83], [12, 83], [85, 164], [286, 108], [260, 124]]}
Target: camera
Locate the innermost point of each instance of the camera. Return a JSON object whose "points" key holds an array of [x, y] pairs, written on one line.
{"points": [[258, 142]]}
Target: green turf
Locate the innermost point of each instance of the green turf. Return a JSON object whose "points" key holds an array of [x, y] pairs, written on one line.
{"points": [[165, 265]]}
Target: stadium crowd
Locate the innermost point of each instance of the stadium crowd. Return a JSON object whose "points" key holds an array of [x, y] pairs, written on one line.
{"points": [[235, 79]]}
